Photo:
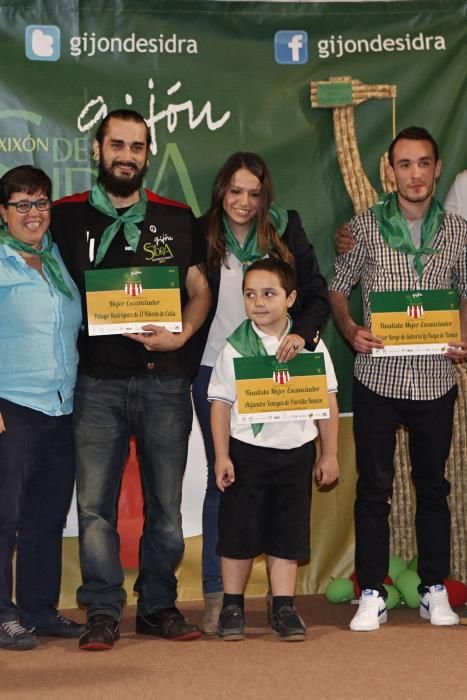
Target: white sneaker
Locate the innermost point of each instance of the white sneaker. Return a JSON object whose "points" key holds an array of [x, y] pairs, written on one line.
{"points": [[435, 607], [372, 612]]}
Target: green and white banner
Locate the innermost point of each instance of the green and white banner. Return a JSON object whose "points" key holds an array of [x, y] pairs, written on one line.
{"points": [[316, 88]]}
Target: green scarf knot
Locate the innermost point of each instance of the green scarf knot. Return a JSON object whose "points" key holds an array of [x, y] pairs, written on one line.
{"points": [[49, 263], [99, 199], [249, 252], [394, 229]]}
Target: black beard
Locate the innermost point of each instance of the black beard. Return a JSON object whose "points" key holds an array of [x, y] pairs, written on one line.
{"points": [[119, 186]]}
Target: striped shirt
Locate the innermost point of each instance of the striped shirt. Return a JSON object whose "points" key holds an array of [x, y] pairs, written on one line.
{"points": [[380, 268]]}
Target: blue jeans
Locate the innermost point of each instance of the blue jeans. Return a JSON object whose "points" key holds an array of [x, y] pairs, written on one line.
{"points": [[212, 579], [158, 412], [36, 485]]}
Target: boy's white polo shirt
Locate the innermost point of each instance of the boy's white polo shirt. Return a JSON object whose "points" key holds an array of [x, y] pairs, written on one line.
{"points": [[283, 435]]}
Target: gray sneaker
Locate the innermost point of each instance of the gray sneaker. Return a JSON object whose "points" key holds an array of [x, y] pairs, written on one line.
{"points": [[212, 608], [15, 637], [50, 623]]}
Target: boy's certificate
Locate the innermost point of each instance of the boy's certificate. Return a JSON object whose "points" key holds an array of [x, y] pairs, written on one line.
{"points": [[123, 300], [415, 323], [269, 391]]}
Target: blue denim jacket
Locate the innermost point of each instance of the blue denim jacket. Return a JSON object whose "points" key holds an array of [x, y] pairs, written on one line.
{"points": [[38, 331]]}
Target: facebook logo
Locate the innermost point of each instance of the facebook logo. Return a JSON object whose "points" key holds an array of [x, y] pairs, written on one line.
{"points": [[291, 47], [42, 42]]}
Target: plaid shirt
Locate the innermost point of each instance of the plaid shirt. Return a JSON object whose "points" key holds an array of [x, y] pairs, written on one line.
{"points": [[380, 268]]}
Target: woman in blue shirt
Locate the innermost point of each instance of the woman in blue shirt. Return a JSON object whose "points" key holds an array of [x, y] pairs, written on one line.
{"points": [[40, 314]]}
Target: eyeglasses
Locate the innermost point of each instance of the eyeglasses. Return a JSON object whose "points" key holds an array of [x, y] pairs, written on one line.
{"points": [[25, 205]]}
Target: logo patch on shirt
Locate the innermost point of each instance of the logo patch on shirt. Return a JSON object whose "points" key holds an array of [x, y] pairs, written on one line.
{"points": [[159, 249]]}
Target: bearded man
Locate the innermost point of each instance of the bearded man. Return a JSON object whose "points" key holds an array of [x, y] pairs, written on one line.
{"points": [[133, 384]]}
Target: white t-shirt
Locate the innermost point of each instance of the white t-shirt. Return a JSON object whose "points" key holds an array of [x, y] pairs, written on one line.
{"points": [[283, 435], [456, 198], [230, 311]]}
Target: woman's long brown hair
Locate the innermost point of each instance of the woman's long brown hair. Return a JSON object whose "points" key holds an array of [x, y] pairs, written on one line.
{"points": [[269, 241]]}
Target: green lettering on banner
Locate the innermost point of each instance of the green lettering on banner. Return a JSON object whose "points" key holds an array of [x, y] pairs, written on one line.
{"points": [[21, 114], [172, 155]]}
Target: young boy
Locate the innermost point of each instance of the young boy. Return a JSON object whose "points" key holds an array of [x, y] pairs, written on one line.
{"points": [[265, 476]]}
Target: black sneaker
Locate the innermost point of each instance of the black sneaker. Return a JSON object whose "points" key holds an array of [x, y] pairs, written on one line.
{"points": [[15, 637], [168, 623], [231, 623], [100, 634], [51, 624], [288, 624]]}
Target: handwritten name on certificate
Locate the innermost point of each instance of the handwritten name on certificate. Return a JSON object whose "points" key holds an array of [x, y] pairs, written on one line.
{"points": [[423, 322], [123, 300], [270, 391]]}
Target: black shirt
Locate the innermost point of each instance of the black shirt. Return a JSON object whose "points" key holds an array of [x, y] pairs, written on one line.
{"points": [[169, 236]]}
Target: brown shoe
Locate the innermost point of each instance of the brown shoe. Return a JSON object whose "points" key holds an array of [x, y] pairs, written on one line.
{"points": [[168, 623]]}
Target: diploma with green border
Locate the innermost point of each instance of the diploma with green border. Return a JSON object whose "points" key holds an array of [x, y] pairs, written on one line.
{"points": [[269, 391], [123, 300], [422, 322]]}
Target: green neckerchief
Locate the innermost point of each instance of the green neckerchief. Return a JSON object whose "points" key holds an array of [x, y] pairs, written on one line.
{"points": [[249, 252], [247, 342], [395, 231], [99, 199], [49, 263]]}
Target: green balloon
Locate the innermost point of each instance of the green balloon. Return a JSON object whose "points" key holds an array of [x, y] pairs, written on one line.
{"points": [[407, 584], [396, 567], [393, 600], [339, 590], [413, 563]]}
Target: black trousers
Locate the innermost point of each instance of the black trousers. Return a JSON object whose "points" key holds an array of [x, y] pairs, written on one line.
{"points": [[429, 424], [37, 473], [267, 509]]}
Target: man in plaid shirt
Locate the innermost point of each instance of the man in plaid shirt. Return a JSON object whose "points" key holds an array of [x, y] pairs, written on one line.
{"points": [[406, 242]]}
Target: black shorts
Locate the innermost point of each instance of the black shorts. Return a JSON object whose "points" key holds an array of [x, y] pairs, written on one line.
{"points": [[267, 508]]}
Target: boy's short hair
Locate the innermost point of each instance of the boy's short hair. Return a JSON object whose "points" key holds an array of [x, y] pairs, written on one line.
{"points": [[283, 270]]}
